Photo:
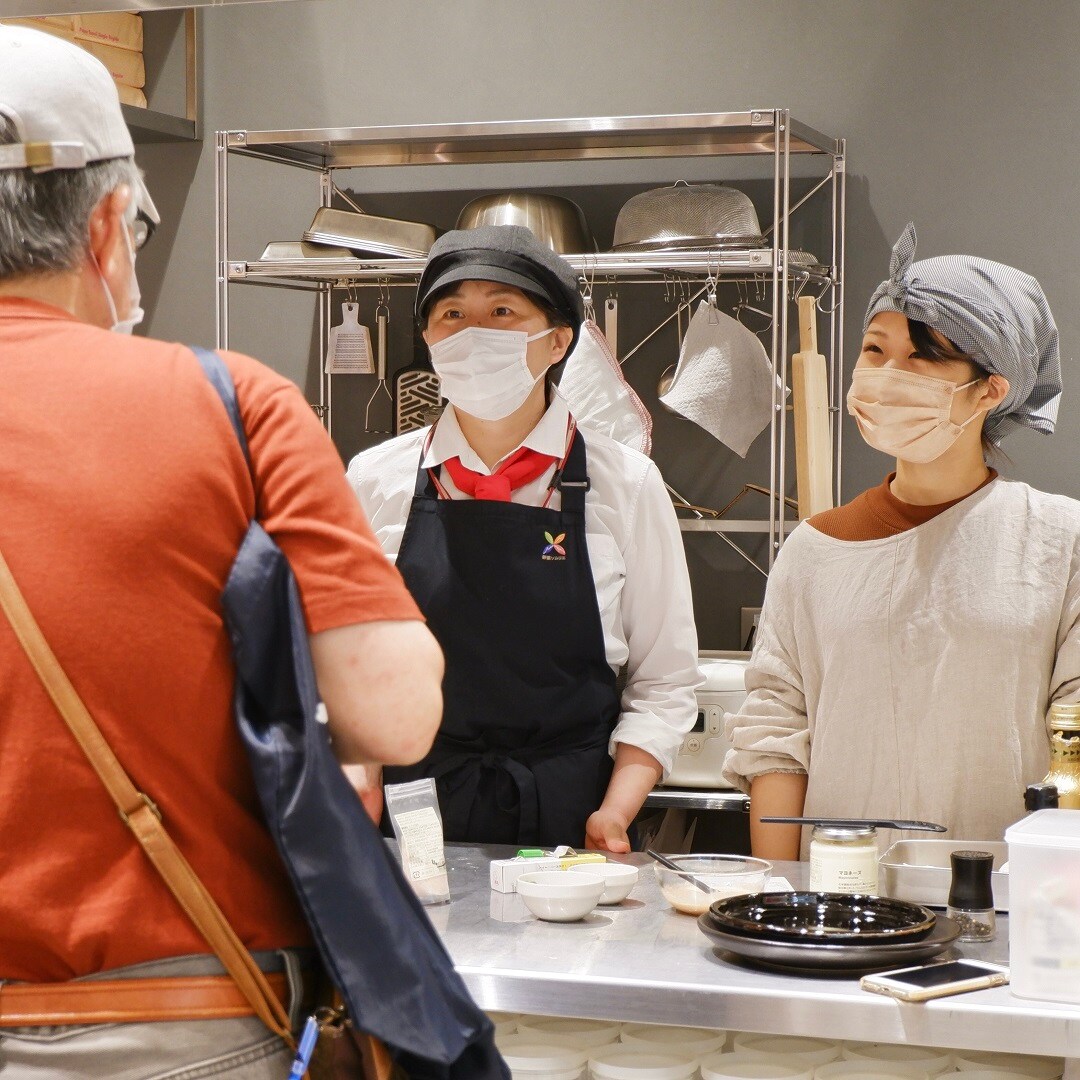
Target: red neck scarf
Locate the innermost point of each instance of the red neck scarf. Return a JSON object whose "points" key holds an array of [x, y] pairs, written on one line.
{"points": [[518, 469]]}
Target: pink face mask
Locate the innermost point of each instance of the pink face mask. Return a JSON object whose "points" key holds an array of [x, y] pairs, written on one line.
{"points": [[905, 415]]}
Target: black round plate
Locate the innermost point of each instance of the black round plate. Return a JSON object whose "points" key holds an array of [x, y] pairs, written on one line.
{"points": [[823, 917], [810, 956]]}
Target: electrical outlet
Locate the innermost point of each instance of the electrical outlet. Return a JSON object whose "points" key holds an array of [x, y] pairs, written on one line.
{"points": [[748, 619]]}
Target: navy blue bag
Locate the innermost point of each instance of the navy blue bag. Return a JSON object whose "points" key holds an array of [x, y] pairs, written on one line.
{"points": [[374, 939]]}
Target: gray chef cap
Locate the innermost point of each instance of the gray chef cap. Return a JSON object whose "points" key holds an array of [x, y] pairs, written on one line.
{"points": [[997, 315]]}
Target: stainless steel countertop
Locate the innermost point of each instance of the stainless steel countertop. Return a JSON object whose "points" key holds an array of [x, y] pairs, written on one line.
{"points": [[643, 962]]}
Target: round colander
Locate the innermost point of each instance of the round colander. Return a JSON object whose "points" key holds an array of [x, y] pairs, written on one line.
{"points": [[687, 217]]}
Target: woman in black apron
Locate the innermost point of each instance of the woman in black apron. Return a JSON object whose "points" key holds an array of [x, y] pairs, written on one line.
{"points": [[530, 699]]}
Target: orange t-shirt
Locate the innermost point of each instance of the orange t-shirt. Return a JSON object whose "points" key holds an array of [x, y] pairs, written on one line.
{"points": [[878, 513], [123, 498]]}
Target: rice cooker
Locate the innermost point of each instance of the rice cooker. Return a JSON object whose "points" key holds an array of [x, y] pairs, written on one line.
{"points": [[702, 753]]}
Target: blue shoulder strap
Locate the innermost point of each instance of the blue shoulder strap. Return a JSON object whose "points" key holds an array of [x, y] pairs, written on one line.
{"points": [[221, 380]]}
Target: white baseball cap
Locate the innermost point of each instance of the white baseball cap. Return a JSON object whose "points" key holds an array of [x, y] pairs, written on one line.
{"points": [[64, 105]]}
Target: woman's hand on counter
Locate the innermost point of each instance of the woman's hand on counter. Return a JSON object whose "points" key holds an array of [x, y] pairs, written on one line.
{"points": [[367, 783], [606, 831]]}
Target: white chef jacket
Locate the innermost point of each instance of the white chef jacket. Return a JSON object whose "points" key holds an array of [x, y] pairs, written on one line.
{"points": [[911, 676], [635, 552]]}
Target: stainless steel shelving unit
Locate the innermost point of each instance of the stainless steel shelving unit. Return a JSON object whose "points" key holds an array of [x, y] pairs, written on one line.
{"points": [[771, 134]]}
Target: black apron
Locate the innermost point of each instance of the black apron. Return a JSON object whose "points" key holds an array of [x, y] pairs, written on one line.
{"points": [[530, 700]]}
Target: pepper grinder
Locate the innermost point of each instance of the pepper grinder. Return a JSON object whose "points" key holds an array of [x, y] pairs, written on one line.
{"points": [[971, 895]]}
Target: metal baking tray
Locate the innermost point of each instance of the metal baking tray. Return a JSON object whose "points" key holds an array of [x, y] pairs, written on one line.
{"points": [[920, 870], [291, 251], [371, 235]]}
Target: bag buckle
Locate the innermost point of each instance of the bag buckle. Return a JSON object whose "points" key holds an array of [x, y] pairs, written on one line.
{"points": [[125, 816]]}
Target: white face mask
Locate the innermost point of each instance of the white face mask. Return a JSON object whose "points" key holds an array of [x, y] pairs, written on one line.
{"points": [[136, 313], [905, 415], [485, 372]]}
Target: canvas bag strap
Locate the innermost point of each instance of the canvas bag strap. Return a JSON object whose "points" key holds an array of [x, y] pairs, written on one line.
{"points": [[140, 814]]}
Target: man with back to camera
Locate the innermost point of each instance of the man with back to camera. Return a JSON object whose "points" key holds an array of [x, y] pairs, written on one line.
{"points": [[124, 496]]}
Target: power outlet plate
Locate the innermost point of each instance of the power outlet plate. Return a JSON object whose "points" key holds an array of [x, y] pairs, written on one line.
{"points": [[747, 617]]}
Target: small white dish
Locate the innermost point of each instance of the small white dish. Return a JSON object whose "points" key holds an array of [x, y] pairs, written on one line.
{"points": [[556, 896], [619, 879]]}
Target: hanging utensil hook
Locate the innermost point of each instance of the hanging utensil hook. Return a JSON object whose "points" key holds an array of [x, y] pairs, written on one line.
{"points": [[588, 279], [821, 296]]}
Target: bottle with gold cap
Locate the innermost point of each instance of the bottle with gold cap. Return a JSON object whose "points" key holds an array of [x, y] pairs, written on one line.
{"points": [[1064, 771]]}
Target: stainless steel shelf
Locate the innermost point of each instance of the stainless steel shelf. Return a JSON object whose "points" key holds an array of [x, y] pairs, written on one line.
{"points": [[747, 262], [684, 135], [683, 799]]}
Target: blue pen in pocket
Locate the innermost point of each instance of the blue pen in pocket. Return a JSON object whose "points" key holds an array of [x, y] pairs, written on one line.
{"points": [[305, 1049]]}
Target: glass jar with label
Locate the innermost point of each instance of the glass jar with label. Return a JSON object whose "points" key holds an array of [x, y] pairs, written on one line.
{"points": [[844, 860]]}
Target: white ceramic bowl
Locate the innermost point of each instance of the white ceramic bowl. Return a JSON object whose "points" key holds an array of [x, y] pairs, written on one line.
{"points": [[685, 1040], [622, 1062], [798, 1049], [739, 1066], [926, 1059], [723, 875], [527, 1056], [619, 879], [569, 1031], [1043, 1068], [556, 896], [869, 1069]]}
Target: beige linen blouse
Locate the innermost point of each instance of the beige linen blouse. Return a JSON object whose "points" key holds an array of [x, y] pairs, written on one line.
{"points": [[911, 676]]}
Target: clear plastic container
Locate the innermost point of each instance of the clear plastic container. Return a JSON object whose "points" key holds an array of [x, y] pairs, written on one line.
{"points": [[739, 1066], [1044, 906], [625, 1062], [683, 1040], [532, 1060], [869, 1069], [566, 1031], [1042, 1068], [800, 1050], [927, 1059]]}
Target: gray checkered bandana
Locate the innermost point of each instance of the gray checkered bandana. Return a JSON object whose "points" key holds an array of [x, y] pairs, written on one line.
{"points": [[997, 315]]}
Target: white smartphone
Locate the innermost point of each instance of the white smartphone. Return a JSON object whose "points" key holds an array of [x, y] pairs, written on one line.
{"points": [[936, 980]]}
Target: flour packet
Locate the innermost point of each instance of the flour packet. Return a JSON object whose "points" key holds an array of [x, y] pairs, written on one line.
{"points": [[414, 814]]}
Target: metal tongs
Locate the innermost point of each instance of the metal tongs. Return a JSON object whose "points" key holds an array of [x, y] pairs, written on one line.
{"points": [[858, 823]]}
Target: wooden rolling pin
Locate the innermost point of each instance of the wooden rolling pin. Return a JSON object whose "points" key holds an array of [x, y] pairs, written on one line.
{"points": [[810, 393]]}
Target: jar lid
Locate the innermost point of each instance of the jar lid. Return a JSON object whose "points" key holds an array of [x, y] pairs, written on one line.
{"points": [[1065, 715], [971, 888], [836, 832]]}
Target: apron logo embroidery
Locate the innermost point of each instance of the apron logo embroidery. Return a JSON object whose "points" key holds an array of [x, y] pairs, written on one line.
{"points": [[554, 552]]}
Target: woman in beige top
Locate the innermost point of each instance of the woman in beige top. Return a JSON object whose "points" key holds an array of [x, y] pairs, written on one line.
{"points": [[913, 640]]}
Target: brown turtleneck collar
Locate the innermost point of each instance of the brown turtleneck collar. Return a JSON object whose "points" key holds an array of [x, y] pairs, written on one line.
{"points": [[878, 513]]}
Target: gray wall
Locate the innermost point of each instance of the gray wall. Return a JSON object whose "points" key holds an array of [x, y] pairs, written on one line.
{"points": [[958, 116]]}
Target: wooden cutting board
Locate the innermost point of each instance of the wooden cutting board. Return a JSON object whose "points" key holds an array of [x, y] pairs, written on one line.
{"points": [[810, 394]]}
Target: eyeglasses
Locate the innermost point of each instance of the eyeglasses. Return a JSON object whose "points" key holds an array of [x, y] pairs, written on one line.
{"points": [[142, 230]]}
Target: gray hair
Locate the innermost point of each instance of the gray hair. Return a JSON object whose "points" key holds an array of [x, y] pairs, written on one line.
{"points": [[45, 217]]}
